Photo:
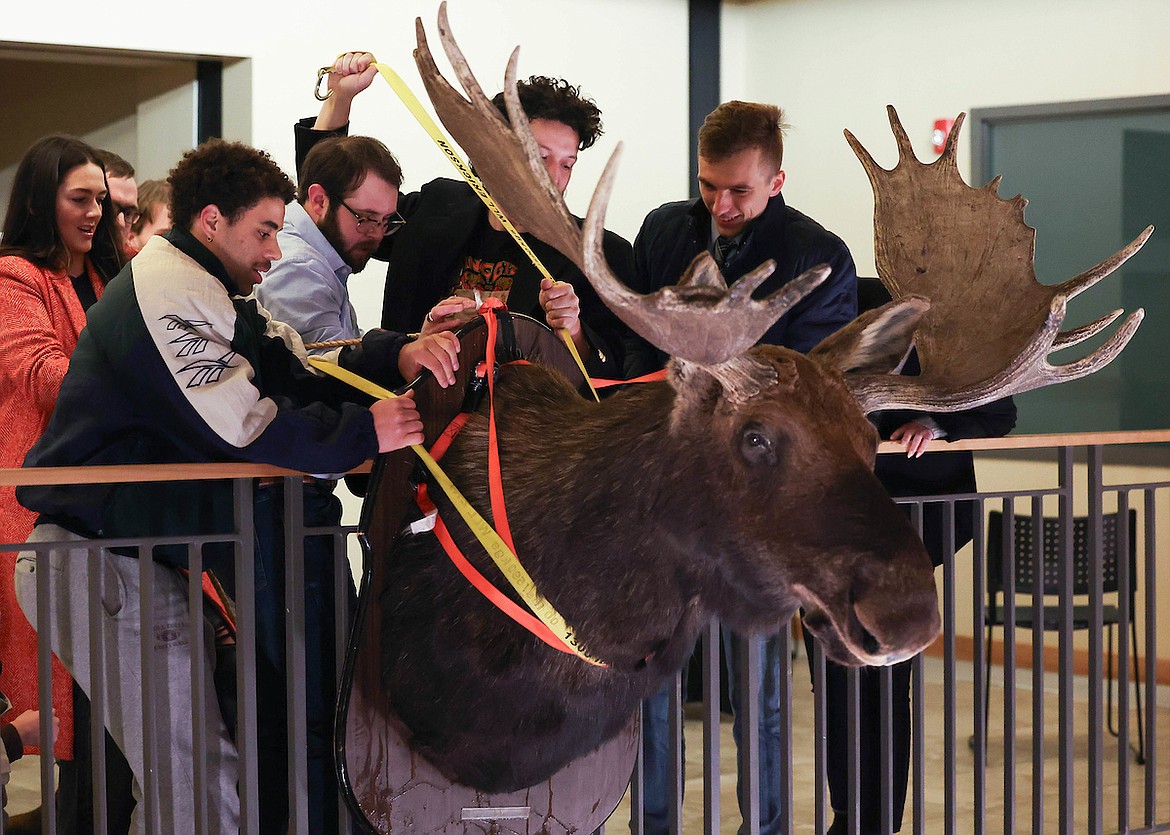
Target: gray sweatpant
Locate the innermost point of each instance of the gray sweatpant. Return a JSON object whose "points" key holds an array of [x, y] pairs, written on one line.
{"points": [[71, 572]]}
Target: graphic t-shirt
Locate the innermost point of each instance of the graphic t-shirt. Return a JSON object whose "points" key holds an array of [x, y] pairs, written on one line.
{"points": [[494, 265]]}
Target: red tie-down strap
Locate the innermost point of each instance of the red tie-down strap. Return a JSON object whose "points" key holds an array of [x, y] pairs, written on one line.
{"points": [[520, 615], [499, 513]]}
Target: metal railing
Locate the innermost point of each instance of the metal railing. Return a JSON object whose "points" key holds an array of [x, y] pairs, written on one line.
{"points": [[981, 783]]}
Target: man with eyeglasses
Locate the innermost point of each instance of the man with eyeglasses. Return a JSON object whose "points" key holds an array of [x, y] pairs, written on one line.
{"points": [[452, 245], [347, 199], [124, 195]]}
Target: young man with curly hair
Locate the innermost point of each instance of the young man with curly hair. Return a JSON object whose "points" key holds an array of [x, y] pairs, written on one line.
{"points": [[178, 364], [451, 244]]}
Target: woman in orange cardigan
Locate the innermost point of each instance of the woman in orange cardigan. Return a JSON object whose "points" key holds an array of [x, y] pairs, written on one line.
{"points": [[58, 250]]}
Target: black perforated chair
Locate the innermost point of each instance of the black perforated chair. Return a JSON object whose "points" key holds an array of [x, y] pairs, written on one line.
{"points": [[1049, 545]]}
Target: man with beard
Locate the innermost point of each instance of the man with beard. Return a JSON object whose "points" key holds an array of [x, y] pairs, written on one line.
{"points": [[347, 201], [347, 197], [452, 247]]}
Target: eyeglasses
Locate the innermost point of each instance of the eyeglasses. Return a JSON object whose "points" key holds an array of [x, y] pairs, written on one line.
{"points": [[129, 213], [385, 227]]}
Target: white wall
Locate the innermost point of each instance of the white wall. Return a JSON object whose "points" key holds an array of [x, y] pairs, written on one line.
{"points": [[628, 56], [835, 64]]}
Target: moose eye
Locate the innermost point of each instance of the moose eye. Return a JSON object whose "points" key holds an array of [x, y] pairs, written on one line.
{"points": [[756, 445]]}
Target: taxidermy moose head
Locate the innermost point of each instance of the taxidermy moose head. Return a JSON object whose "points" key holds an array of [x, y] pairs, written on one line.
{"points": [[740, 488]]}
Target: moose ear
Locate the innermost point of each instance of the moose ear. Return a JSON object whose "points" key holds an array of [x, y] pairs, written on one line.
{"points": [[875, 342]]}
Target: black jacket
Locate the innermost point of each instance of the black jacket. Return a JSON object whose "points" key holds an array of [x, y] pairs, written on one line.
{"points": [[426, 256], [936, 473], [175, 366], [673, 234]]}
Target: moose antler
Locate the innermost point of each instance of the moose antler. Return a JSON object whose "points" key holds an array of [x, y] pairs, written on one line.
{"points": [[699, 319], [991, 324]]}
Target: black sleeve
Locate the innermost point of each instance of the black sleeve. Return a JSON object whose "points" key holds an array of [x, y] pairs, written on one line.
{"points": [[12, 744], [375, 358], [605, 331], [305, 137], [993, 420], [640, 357]]}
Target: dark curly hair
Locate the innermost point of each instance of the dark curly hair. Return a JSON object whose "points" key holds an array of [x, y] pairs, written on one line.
{"points": [[30, 226], [231, 175], [559, 101]]}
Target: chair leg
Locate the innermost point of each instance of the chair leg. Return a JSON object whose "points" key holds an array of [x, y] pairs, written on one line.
{"points": [[987, 682], [986, 690], [1137, 692], [1109, 684]]}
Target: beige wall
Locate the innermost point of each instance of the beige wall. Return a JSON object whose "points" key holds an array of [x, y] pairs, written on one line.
{"points": [[836, 64], [139, 109]]}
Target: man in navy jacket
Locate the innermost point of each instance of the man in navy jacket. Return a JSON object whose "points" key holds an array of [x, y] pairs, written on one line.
{"points": [[742, 220]]}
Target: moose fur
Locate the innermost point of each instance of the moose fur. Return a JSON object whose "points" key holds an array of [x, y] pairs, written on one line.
{"points": [[640, 518], [741, 488]]}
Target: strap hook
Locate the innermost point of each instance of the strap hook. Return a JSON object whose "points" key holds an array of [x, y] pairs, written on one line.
{"points": [[321, 73]]}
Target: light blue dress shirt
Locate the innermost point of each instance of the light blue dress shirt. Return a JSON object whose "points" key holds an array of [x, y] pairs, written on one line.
{"points": [[307, 288]]}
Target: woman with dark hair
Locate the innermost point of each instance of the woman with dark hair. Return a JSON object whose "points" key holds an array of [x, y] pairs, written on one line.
{"points": [[59, 248]]}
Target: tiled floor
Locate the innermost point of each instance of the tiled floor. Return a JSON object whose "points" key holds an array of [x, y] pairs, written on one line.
{"points": [[24, 790]]}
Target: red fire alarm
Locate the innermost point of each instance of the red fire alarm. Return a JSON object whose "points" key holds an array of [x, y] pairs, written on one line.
{"points": [[942, 129]]}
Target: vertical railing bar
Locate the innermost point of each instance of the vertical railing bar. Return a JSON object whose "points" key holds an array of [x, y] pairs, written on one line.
{"points": [[1124, 613], [1150, 643], [1066, 714], [748, 688], [152, 814], [1094, 544], [853, 756], [97, 690], [637, 779], [293, 493], [820, 723], [45, 685], [886, 745], [198, 684], [918, 740], [246, 741], [950, 707], [982, 672], [785, 753], [917, 721], [712, 664], [1039, 671], [1009, 666], [342, 581], [675, 771]]}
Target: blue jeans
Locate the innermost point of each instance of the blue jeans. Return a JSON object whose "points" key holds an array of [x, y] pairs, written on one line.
{"points": [[656, 740]]}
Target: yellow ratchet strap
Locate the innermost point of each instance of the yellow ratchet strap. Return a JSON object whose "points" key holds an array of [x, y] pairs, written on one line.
{"points": [[501, 555], [428, 124]]}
